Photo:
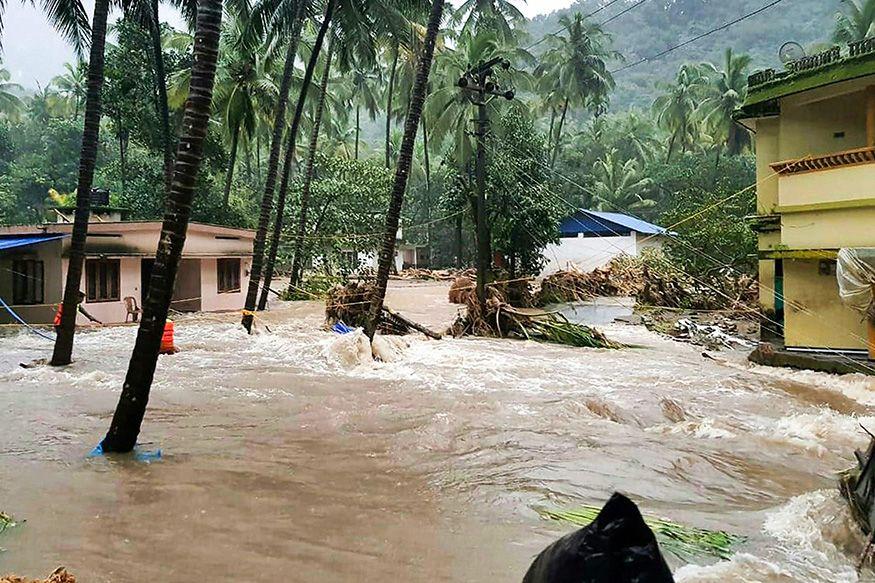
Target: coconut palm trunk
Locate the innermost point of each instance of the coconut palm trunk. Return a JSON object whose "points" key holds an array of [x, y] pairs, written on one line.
{"points": [[63, 351], [402, 171], [291, 142], [298, 261], [125, 427], [276, 142], [232, 160], [389, 96], [358, 128], [163, 108], [559, 133]]}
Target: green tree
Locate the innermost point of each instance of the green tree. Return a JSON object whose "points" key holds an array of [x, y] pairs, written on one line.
{"points": [[72, 86], [128, 417], [677, 109], [728, 92], [500, 16], [619, 185], [575, 70], [855, 22], [10, 103]]}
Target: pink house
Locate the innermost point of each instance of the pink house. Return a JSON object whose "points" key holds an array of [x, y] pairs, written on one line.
{"points": [[213, 276]]}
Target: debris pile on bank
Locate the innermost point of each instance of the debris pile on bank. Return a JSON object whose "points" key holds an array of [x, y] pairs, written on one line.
{"points": [[350, 305], [502, 319], [424, 274], [653, 281], [857, 487], [59, 575]]}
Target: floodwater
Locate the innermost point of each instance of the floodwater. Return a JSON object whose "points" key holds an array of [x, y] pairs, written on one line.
{"points": [[287, 458]]}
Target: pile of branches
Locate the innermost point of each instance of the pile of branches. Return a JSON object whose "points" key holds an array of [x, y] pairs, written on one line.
{"points": [[59, 575], [500, 319], [350, 304], [421, 273], [517, 292], [653, 281]]}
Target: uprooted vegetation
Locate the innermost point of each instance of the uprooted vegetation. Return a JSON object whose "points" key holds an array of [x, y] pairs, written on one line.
{"points": [[653, 281], [59, 575]]}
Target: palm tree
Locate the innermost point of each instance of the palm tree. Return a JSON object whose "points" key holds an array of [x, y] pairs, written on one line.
{"points": [[729, 90], [298, 262], [363, 86], [72, 86], [63, 350], [856, 22], [402, 172], [677, 109], [619, 185], [500, 16], [276, 17], [125, 427], [576, 69], [291, 141], [10, 103]]}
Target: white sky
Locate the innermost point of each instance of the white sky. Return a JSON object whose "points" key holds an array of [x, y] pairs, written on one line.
{"points": [[34, 53]]}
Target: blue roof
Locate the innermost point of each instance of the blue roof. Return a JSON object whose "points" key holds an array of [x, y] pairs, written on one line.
{"points": [[598, 223], [13, 241]]}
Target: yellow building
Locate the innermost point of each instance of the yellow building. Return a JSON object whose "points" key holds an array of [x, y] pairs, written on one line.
{"points": [[814, 127]]}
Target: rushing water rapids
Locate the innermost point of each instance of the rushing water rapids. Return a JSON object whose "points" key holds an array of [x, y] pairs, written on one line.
{"points": [[287, 458]]}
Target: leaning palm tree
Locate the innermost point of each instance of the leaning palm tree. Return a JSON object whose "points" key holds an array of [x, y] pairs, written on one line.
{"points": [[291, 142], [856, 22], [125, 427], [68, 17], [272, 16], [728, 92], [575, 70], [63, 351], [678, 108], [298, 261], [402, 171]]}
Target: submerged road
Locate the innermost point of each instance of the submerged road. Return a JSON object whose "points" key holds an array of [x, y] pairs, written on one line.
{"points": [[286, 457]]}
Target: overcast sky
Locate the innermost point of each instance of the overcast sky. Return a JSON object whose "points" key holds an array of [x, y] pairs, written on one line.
{"points": [[34, 53]]}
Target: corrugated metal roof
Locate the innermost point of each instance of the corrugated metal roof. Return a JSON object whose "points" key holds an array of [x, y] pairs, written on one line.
{"points": [[11, 242], [606, 224]]}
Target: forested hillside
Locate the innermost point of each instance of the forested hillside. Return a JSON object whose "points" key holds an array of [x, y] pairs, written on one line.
{"points": [[656, 25]]}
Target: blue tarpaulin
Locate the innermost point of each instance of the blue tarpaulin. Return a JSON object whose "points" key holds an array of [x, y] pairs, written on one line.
{"points": [[13, 241], [602, 224]]}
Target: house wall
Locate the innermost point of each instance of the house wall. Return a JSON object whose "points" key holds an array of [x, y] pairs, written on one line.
{"points": [[50, 254], [587, 253], [810, 122], [814, 314], [211, 299]]}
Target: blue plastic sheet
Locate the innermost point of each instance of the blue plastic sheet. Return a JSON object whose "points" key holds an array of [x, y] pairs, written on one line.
{"points": [[342, 328], [141, 455]]}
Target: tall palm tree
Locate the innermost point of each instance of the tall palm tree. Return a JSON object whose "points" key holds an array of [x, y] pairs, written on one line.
{"points": [[279, 120], [298, 261], [619, 185], [402, 171], [677, 109], [10, 103], [500, 16], [576, 70], [856, 21], [73, 87], [291, 141], [364, 94], [63, 351], [728, 92], [125, 427]]}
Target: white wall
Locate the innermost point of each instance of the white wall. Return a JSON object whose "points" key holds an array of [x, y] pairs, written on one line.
{"points": [[588, 253]]}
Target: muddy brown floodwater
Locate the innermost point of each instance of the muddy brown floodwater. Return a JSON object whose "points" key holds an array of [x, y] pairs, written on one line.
{"points": [[287, 459]]}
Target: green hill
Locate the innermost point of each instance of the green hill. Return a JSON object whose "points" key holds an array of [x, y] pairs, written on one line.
{"points": [[658, 24]]}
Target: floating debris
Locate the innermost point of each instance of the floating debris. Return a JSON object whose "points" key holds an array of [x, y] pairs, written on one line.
{"points": [[59, 575], [685, 542]]}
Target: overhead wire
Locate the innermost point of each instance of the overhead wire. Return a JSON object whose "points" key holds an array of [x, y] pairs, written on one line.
{"points": [[804, 310]]}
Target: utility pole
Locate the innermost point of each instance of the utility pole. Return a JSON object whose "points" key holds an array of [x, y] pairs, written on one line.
{"points": [[481, 90]]}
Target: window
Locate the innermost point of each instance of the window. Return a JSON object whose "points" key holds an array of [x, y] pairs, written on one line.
{"points": [[102, 280], [27, 282], [228, 275]]}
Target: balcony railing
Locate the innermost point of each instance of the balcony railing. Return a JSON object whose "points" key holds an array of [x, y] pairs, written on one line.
{"points": [[825, 162]]}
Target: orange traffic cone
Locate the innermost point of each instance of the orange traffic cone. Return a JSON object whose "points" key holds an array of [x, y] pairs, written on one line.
{"points": [[167, 346]]}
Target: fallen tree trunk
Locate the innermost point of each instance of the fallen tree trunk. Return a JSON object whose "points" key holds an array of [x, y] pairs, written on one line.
{"points": [[350, 303]]}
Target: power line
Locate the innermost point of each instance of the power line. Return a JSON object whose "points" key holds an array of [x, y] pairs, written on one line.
{"points": [[697, 37], [590, 15], [622, 12]]}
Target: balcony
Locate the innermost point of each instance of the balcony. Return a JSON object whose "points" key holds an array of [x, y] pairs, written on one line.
{"points": [[832, 181]]}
